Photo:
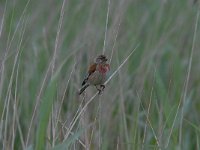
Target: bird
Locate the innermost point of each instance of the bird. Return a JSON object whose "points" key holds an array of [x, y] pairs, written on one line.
{"points": [[97, 74]]}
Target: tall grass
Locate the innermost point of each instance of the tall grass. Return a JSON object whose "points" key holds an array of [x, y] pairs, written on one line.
{"points": [[151, 100]]}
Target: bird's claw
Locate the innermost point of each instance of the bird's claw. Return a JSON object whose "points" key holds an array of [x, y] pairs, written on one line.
{"points": [[100, 91], [102, 87]]}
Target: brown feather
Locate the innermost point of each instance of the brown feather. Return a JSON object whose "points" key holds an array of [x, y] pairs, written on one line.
{"points": [[92, 69]]}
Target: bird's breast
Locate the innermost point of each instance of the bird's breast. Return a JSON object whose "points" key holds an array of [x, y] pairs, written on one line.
{"points": [[97, 78], [103, 68]]}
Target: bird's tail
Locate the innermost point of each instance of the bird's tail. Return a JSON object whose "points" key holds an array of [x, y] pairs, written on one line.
{"points": [[83, 88], [84, 81]]}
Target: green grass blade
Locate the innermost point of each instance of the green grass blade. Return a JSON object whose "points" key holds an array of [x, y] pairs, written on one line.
{"points": [[45, 111]]}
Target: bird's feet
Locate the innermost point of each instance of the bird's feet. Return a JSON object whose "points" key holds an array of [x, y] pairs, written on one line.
{"points": [[102, 87]]}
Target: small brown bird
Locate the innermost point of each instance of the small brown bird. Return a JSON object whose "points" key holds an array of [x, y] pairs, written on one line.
{"points": [[97, 74]]}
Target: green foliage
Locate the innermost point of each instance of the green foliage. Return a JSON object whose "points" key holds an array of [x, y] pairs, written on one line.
{"points": [[123, 116], [45, 111]]}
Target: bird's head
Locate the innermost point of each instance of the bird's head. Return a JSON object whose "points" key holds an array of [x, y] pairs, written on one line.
{"points": [[101, 59]]}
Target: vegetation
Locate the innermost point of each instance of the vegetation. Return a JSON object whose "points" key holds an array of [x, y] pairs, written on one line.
{"points": [[151, 100]]}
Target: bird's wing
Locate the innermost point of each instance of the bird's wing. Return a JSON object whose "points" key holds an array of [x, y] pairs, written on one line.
{"points": [[91, 69]]}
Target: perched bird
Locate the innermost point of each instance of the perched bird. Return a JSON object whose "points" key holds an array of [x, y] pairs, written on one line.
{"points": [[97, 74]]}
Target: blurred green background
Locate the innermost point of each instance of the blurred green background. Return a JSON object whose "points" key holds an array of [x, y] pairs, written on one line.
{"points": [[151, 103]]}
